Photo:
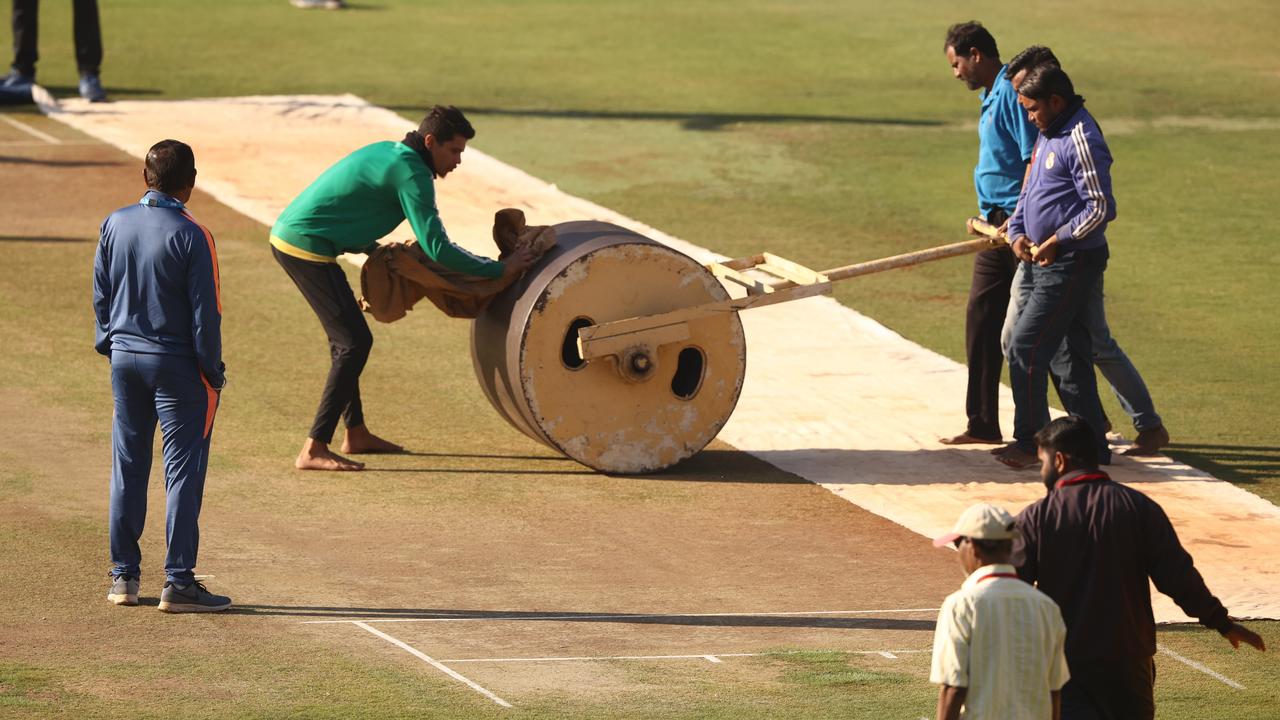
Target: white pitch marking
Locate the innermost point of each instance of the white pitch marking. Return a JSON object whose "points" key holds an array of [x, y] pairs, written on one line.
{"points": [[31, 131], [470, 618], [435, 664], [588, 658], [713, 659], [886, 653], [1193, 664], [34, 143]]}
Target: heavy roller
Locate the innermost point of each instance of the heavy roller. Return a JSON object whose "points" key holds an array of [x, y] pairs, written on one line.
{"points": [[628, 356]]}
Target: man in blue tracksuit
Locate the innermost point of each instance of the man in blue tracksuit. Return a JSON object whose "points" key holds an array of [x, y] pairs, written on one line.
{"points": [[1058, 227], [158, 305]]}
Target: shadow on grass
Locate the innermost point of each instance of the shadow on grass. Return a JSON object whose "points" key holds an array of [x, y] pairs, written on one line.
{"points": [[477, 471], [1239, 464], [689, 121], [10, 160], [708, 466], [481, 456], [46, 239], [112, 90], [691, 619]]}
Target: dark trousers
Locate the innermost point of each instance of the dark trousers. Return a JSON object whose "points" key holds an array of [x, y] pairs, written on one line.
{"points": [[151, 388], [984, 318], [1110, 690], [86, 30], [325, 287], [1054, 313]]}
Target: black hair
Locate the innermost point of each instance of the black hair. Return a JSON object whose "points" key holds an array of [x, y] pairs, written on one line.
{"points": [[1031, 57], [170, 167], [1044, 81], [444, 123], [963, 37], [1070, 436], [992, 547]]}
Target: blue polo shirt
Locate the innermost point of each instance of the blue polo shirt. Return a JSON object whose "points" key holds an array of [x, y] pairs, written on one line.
{"points": [[1005, 140]]}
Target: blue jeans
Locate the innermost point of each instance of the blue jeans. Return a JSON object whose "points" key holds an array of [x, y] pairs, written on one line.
{"points": [[1125, 381], [170, 390], [1051, 333], [1115, 366]]}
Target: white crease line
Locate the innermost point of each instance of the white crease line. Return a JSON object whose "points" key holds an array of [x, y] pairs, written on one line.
{"points": [[886, 653], [505, 618], [31, 131], [435, 664], [33, 143], [703, 656], [1193, 664]]}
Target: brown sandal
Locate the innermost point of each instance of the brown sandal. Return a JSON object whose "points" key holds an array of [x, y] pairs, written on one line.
{"points": [[1017, 458]]}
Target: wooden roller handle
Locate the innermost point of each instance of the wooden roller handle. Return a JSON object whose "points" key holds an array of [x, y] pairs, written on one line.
{"points": [[991, 238], [982, 227]]}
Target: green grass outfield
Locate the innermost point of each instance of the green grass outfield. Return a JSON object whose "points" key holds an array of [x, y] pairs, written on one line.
{"points": [[825, 132], [828, 133]]}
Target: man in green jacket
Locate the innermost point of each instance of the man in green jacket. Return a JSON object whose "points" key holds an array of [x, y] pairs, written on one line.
{"points": [[362, 198]]}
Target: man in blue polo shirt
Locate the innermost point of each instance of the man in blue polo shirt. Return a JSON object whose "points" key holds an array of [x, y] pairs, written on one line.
{"points": [[1005, 141]]}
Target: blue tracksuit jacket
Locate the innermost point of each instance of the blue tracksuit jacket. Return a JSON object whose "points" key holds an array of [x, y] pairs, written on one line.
{"points": [[1068, 192], [155, 285]]}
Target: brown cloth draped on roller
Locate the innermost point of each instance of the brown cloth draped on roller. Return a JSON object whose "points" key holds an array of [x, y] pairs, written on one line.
{"points": [[397, 275]]}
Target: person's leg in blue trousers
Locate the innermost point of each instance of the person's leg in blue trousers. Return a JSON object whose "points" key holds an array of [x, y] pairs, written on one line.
{"points": [[168, 389], [1116, 367], [132, 432], [1018, 292], [1051, 314], [186, 407]]}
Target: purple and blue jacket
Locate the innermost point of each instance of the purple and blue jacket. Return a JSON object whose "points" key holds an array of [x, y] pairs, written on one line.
{"points": [[1068, 192]]}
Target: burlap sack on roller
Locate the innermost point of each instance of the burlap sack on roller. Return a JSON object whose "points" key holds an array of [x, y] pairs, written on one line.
{"points": [[397, 275]]}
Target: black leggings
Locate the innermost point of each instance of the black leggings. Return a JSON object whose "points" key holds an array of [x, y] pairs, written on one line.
{"points": [[325, 287]]}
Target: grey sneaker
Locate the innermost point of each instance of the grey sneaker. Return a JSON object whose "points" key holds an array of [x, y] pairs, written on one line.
{"points": [[124, 590], [190, 599]]}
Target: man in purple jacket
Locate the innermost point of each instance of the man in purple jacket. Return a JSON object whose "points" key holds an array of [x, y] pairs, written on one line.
{"points": [[1058, 227]]}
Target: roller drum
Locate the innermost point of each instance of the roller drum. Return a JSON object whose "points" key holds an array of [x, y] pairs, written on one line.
{"points": [[670, 402]]}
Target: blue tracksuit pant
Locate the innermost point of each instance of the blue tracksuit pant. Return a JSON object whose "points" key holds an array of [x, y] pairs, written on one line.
{"points": [[168, 389]]}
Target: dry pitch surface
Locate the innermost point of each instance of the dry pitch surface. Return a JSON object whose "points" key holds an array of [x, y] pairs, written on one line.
{"points": [[509, 566]]}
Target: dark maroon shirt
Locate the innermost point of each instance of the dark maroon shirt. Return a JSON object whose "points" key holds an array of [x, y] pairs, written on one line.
{"points": [[1091, 544]]}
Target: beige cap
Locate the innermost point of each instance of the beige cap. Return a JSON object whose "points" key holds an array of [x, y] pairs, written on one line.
{"points": [[983, 521]]}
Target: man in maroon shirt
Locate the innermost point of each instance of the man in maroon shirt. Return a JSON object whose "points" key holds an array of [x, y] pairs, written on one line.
{"points": [[1091, 544]]}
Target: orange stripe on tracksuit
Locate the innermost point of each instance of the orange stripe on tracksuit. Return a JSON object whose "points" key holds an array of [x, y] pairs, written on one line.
{"points": [[217, 288], [213, 253]]}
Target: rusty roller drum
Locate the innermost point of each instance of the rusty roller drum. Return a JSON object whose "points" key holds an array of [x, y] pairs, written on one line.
{"points": [[638, 413]]}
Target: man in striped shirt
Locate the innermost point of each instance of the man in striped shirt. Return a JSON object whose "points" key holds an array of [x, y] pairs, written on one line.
{"points": [[1058, 227], [998, 647]]}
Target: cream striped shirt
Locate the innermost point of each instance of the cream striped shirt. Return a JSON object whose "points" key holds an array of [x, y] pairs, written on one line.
{"points": [[1003, 640]]}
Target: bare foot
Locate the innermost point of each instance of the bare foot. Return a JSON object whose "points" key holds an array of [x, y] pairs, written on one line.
{"points": [[359, 440], [316, 455]]}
